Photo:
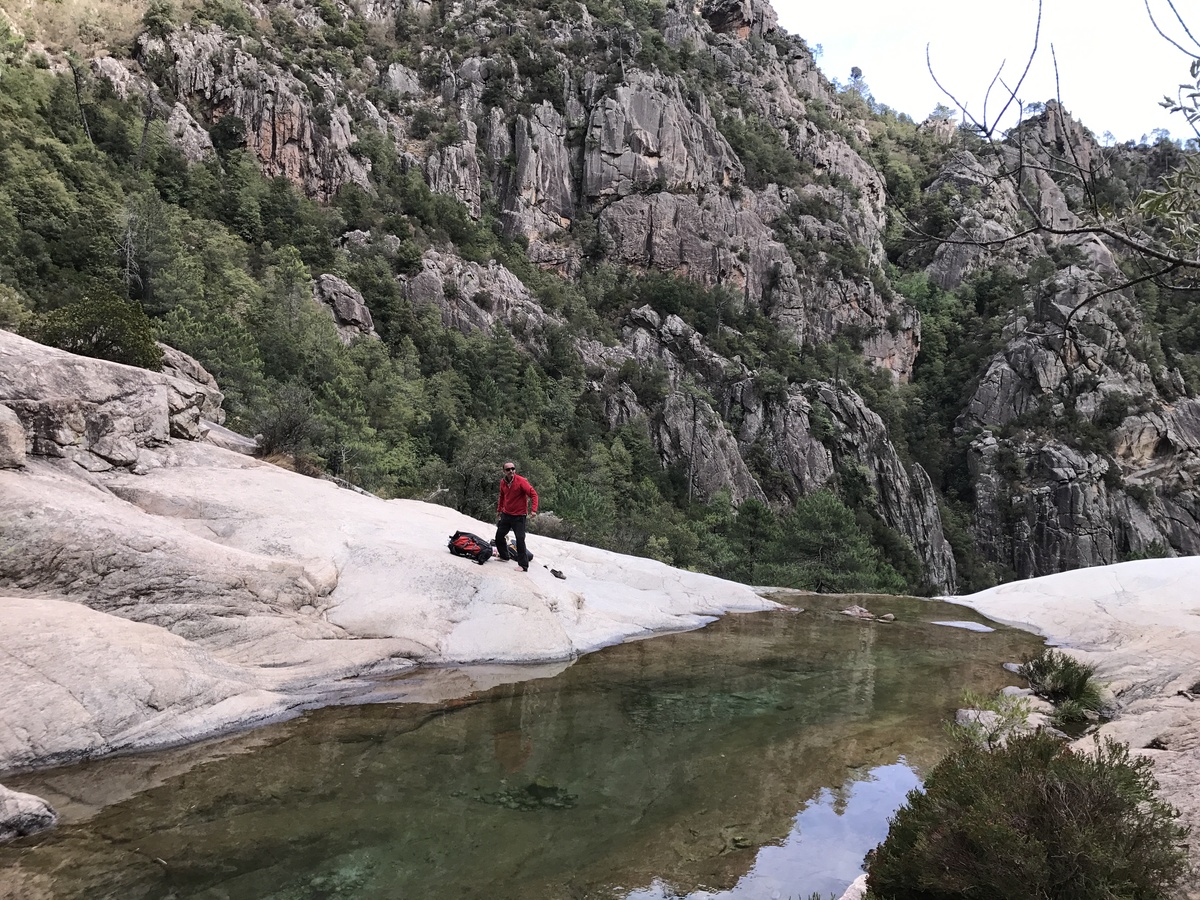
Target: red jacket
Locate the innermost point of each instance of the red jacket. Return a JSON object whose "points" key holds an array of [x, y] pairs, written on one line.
{"points": [[512, 496]]}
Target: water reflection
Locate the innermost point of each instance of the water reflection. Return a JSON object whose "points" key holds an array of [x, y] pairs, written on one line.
{"points": [[829, 839], [716, 760]]}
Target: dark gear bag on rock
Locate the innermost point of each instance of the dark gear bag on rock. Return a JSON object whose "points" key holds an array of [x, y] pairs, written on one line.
{"points": [[512, 552], [471, 546]]}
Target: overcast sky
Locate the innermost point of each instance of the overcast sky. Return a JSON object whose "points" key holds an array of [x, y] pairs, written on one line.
{"points": [[1113, 67]]}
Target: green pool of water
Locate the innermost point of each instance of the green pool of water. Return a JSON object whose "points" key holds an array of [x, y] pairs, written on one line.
{"points": [[759, 757]]}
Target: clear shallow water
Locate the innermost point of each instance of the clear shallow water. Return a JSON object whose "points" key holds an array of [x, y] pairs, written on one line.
{"points": [[759, 757]]}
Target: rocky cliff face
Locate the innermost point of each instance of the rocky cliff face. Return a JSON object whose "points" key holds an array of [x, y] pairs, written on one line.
{"points": [[1084, 448], [699, 140]]}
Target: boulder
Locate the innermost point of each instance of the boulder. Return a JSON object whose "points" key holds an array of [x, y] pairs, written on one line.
{"points": [[22, 814], [99, 414], [346, 305], [179, 365]]}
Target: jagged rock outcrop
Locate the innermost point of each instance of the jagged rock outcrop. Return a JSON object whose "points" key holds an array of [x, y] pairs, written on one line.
{"points": [[272, 107], [538, 195], [990, 218], [790, 434], [454, 170], [739, 17], [403, 80], [346, 305], [689, 433], [838, 442], [720, 242], [710, 239], [471, 297], [987, 211], [1072, 464], [902, 495], [644, 134], [188, 135], [1044, 507]]}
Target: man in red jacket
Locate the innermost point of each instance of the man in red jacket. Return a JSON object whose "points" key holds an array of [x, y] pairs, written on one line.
{"points": [[517, 500]]}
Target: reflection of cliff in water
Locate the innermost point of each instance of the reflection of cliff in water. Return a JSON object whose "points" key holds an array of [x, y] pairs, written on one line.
{"points": [[674, 759]]}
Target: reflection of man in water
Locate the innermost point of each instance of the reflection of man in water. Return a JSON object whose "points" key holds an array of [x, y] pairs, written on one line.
{"points": [[517, 500]]}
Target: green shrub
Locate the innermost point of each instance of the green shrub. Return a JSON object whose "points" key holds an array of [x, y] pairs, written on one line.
{"points": [[989, 732], [13, 312], [1033, 821], [289, 423], [104, 326], [1063, 680]]}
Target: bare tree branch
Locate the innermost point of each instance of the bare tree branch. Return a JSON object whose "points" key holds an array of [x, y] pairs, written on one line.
{"points": [[1166, 37], [1114, 289]]}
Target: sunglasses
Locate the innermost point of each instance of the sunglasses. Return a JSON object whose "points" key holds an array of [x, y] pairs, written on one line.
{"points": [[510, 468]]}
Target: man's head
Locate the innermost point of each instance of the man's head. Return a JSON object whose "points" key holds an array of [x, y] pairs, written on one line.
{"points": [[510, 470]]}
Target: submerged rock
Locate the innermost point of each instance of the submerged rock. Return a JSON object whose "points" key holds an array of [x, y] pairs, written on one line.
{"points": [[538, 794]]}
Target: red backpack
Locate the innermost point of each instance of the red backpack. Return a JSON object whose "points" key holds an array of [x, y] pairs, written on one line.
{"points": [[471, 546]]}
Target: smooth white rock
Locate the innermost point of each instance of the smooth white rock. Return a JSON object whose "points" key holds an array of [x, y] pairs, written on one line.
{"points": [[213, 591]]}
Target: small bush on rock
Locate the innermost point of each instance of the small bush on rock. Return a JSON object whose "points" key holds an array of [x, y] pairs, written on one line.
{"points": [[1063, 680], [988, 722], [1033, 820]]}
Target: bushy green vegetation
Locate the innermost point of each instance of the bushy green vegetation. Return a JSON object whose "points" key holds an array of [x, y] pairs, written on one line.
{"points": [[1030, 821], [218, 261], [105, 326], [1066, 682], [1008, 715]]}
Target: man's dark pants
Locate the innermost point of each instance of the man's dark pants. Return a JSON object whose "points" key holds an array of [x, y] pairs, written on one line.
{"points": [[515, 524]]}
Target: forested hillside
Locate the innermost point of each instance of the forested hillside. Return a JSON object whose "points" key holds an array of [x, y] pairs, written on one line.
{"points": [[713, 304]]}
